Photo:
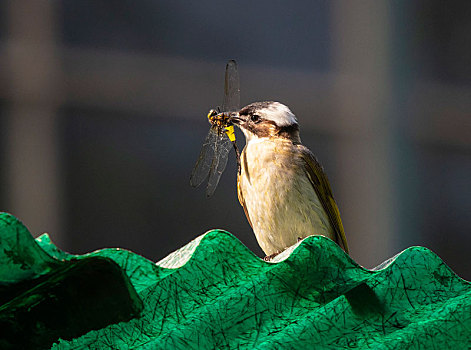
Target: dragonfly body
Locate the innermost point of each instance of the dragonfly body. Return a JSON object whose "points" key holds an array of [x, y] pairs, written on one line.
{"points": [[221, 121]]}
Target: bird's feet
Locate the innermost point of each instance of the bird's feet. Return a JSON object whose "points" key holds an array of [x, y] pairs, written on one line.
{"points": [[271, 256]]}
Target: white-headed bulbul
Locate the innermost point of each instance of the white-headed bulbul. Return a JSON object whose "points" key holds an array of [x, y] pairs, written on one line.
{"points": [[282, 187]]}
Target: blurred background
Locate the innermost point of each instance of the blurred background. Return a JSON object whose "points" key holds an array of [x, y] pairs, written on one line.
{"points": [[103, 112]]}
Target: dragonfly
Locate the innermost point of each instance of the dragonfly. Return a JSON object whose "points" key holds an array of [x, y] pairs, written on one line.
{"points": [[221, 138]]}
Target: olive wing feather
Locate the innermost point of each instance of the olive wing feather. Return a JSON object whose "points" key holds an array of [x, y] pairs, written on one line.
{"points": [[321, 186]]}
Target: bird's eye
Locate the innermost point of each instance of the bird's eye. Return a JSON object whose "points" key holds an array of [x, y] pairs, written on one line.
{"points": [[255, 118]]}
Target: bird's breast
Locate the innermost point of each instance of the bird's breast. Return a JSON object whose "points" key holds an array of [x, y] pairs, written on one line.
{"points": [[280, 200], [270, 172]]}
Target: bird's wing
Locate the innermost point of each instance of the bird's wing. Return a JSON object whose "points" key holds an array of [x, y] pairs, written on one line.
{"points": [[242, 200], [321, 186]]}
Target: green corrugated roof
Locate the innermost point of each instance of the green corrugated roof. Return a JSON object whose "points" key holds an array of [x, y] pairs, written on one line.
{"points": [[214, 293]]}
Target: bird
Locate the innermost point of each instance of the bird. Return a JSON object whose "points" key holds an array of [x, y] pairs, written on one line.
{"points": [[281, 186]]}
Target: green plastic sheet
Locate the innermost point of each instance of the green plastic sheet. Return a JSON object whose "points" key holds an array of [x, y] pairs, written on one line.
{"points": [[44, 298], [215, 294]]}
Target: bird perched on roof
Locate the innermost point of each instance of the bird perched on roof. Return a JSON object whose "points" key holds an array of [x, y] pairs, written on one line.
{"points": [[283, 189]]}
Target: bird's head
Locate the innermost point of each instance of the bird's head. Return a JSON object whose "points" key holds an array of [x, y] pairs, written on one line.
{"points": [[267, 120]]}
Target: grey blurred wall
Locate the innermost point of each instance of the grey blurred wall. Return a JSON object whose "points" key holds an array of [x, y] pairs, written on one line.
{"points": [[103, 105]]}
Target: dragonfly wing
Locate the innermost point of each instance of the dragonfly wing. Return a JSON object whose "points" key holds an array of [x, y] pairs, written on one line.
{"points": [[214, 153], [205, 159], [231, 99], [221, 152]]}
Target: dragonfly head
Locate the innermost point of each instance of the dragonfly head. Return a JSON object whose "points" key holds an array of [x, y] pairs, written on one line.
{"points": [[212, 114], [220, 119]]}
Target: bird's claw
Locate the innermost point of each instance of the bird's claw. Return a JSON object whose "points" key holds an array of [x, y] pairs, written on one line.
{"points": [[271, 256]]}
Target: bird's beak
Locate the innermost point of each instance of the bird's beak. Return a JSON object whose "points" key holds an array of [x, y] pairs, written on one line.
{"points": [[236, 119]]}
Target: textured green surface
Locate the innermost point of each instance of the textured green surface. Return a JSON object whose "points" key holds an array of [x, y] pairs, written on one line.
{"points": [[214, 293], [43, 298]]}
